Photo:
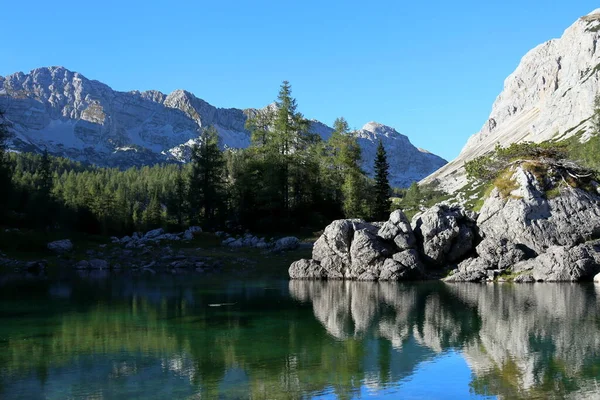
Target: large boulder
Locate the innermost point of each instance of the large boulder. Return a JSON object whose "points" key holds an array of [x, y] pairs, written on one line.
{"points": [[564, 263], [398, 230], [154, 233], [403, 265], [283, 244], [307, 269], [445, 233], [368, 253], [61, 246], [355, 249], [332, 249]]}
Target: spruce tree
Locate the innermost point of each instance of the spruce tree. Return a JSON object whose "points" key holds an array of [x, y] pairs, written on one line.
{"points": [[382, 190], [207, 181]]}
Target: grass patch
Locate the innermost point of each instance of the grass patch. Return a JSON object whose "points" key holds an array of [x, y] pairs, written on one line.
{"points": [[552, 193], [509, 275], [505, 184]]}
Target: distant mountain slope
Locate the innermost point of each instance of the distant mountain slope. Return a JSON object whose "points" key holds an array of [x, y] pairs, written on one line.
{"points": [[86, 120], [549, 95]]}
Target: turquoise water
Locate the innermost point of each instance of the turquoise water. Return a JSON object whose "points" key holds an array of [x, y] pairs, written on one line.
{"points": [[191, 337]]}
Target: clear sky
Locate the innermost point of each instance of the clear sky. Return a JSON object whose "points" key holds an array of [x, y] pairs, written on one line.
{"points": [[429, 69]]}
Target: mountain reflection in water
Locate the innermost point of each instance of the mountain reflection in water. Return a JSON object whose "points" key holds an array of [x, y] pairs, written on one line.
{"points": [[157, 337]]}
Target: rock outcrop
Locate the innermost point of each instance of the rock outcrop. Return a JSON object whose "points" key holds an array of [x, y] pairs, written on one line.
{"points": [[85, 120], [549, 96], [532, 234], [538, 227]]}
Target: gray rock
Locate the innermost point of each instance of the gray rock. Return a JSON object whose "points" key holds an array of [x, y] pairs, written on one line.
{"points": [[187, 235], [236, 243], [537, 223], [83, 264], [398, 229], [563, 263], [446, 233], [307, 269], [285, 244], [524, 278], [332, 249], [61, 246], [402, 266], [98, 264], [367, 254], [228, 241], [154, 233], [500, 254], [194, 229]]}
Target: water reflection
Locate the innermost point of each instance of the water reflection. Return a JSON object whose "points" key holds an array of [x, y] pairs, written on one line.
{"points": [[519, 340], [163, 337]]}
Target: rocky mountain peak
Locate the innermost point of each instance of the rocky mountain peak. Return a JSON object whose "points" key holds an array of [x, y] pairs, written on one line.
{"points": [[550, 95], [595, 12], [86, 120]]}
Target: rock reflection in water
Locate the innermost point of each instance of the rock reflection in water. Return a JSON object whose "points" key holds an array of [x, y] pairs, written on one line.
{"points": [[157, 337], [519, 340]]}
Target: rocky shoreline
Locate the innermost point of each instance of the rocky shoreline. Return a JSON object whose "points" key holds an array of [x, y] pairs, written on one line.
{"points": [[528, 234], [158, 251]]}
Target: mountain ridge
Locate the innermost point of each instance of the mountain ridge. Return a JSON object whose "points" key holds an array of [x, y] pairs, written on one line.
{"points": [[86, 120]]}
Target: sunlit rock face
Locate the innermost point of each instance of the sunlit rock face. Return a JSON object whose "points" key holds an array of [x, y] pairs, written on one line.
{"points": [[519, 340], [549, 95], [539, 237], [72, 116]]}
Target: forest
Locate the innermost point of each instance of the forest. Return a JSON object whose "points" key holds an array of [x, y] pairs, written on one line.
{"points": [[288, 180]]}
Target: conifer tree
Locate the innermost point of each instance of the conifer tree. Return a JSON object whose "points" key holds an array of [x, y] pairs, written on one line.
{"points": [[5, 172], [152, 213], [207, 180], [382, 190], [178, 197]]}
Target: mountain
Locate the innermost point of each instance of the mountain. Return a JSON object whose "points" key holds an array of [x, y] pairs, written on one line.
{"points": [[85, 120], [549, 96]]}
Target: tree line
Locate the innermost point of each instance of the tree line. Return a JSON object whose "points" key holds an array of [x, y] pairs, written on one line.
{"points": [[289, 179]]}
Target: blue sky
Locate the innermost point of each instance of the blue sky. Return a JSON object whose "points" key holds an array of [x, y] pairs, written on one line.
{"points": [[430, 69]]}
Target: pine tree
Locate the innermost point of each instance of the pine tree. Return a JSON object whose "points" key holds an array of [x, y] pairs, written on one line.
{"points": [[207, 180], [382, 189]]}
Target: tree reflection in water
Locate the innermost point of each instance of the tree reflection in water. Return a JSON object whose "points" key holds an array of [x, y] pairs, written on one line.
{"points": [[156, 337]]}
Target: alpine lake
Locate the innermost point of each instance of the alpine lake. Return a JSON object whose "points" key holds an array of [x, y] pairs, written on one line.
{"points": [[126, 335]]}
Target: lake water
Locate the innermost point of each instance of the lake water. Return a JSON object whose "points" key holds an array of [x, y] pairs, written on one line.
{"points": [[191, 337]]}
